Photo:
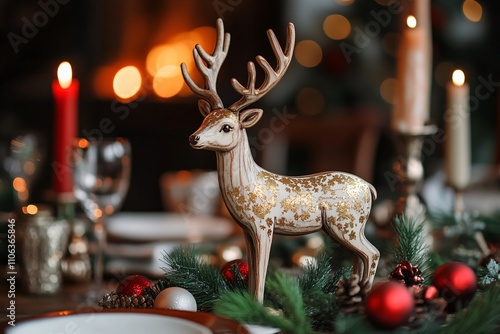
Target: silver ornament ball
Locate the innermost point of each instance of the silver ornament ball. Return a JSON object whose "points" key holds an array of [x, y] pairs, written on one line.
{"points": [[176, 298]]}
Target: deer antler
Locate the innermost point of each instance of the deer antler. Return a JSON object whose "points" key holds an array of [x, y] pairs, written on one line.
{"points": [[211, 69], [252, 94]]}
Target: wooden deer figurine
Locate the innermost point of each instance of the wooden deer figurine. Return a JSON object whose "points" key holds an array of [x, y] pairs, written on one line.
{"points": [[261, 202]]}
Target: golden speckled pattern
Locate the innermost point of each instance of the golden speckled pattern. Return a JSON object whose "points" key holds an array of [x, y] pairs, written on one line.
{"points": [[297, 203]]}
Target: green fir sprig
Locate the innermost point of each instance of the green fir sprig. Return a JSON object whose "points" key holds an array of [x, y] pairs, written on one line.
{"points": [[287, 297], [318, 284], [412, 246], [203, 280]]}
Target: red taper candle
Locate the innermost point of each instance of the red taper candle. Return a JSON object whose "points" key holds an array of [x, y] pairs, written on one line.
{"points": [[65, 90]]}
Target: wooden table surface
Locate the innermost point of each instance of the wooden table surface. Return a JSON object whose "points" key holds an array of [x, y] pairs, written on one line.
{"points": [[78, 297]]}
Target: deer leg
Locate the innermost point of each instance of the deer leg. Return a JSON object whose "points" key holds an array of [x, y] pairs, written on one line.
{"points": [[258, 248], [364, 255], [372, 260]]}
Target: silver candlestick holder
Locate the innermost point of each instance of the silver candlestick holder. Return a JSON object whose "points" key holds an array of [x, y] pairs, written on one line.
{"points": [[409, 171]]}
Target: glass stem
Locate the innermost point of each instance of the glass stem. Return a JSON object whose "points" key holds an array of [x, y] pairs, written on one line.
{"points": [[100, 235]]}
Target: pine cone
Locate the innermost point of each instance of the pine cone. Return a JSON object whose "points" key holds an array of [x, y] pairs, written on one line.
{"points": [[114, 300], [350, 295], [428, 305], [407, 274]]}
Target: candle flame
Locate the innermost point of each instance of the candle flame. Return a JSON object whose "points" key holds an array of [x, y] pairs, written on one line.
{"points": [[411, 21], [458, 78], [64, 74]]}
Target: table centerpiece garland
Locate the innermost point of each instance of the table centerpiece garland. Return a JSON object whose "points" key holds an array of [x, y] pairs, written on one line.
{"points": [[326, 299]]}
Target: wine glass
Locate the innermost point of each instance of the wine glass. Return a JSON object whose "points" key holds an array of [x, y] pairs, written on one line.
{"points": [[23, 164], [101, 173]]}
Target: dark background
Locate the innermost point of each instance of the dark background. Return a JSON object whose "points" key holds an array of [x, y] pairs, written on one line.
{"points": [[94, 33]]}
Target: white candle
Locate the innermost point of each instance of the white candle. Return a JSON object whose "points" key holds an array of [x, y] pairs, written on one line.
{"points": [[411, 110], [457, 127]]}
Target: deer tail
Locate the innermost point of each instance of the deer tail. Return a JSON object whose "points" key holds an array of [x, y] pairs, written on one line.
{"points": [[373, 191]]}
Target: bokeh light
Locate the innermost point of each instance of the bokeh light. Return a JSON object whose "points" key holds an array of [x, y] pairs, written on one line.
{"points": [[388, 90], [19, 184], [168, 81], [472, 10], [31, 209], [337, 27], [127, 82], [308, 53]]}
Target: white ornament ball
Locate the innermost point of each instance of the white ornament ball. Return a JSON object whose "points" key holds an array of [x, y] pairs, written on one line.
{"points": [[176, 298]]}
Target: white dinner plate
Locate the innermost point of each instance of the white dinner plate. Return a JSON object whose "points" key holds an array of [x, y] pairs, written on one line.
{"points": [[107, 323], [147, 227], [124, 321]]}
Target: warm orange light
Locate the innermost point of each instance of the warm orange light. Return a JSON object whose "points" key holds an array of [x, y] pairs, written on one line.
{"points": [[472, 10], [127, 82], [31, 209], [19, 184], [308, 53], [411, 21], [98, 213], [458, 78], [83, 143], [337, 27], [64, 74], [168, 81], [160, 56]]}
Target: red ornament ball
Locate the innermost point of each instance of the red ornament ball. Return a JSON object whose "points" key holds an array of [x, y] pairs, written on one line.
{"points": [[389, 305], [133, 285], [241, 266], [455, 281]]}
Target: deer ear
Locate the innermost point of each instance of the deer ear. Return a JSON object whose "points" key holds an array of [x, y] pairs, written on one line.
{"points": [[250, 117], [204, 107]]}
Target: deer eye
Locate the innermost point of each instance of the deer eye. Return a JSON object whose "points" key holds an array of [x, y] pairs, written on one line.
{"points": [[226, 128]]}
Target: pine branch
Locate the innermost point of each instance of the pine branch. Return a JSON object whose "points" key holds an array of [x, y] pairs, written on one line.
{"points": [[287, 292], [412, 246], [243, 308], [283, 289], [481, 316], [321, 309], [319, 275], [353, 324], [318, 284], [204, 281]]}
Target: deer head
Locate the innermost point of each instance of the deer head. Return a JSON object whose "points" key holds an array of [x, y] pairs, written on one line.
{"points": [[221, 128]]}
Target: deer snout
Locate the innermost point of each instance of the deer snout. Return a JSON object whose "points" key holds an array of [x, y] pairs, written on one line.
{"points": [[193, 139]]}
